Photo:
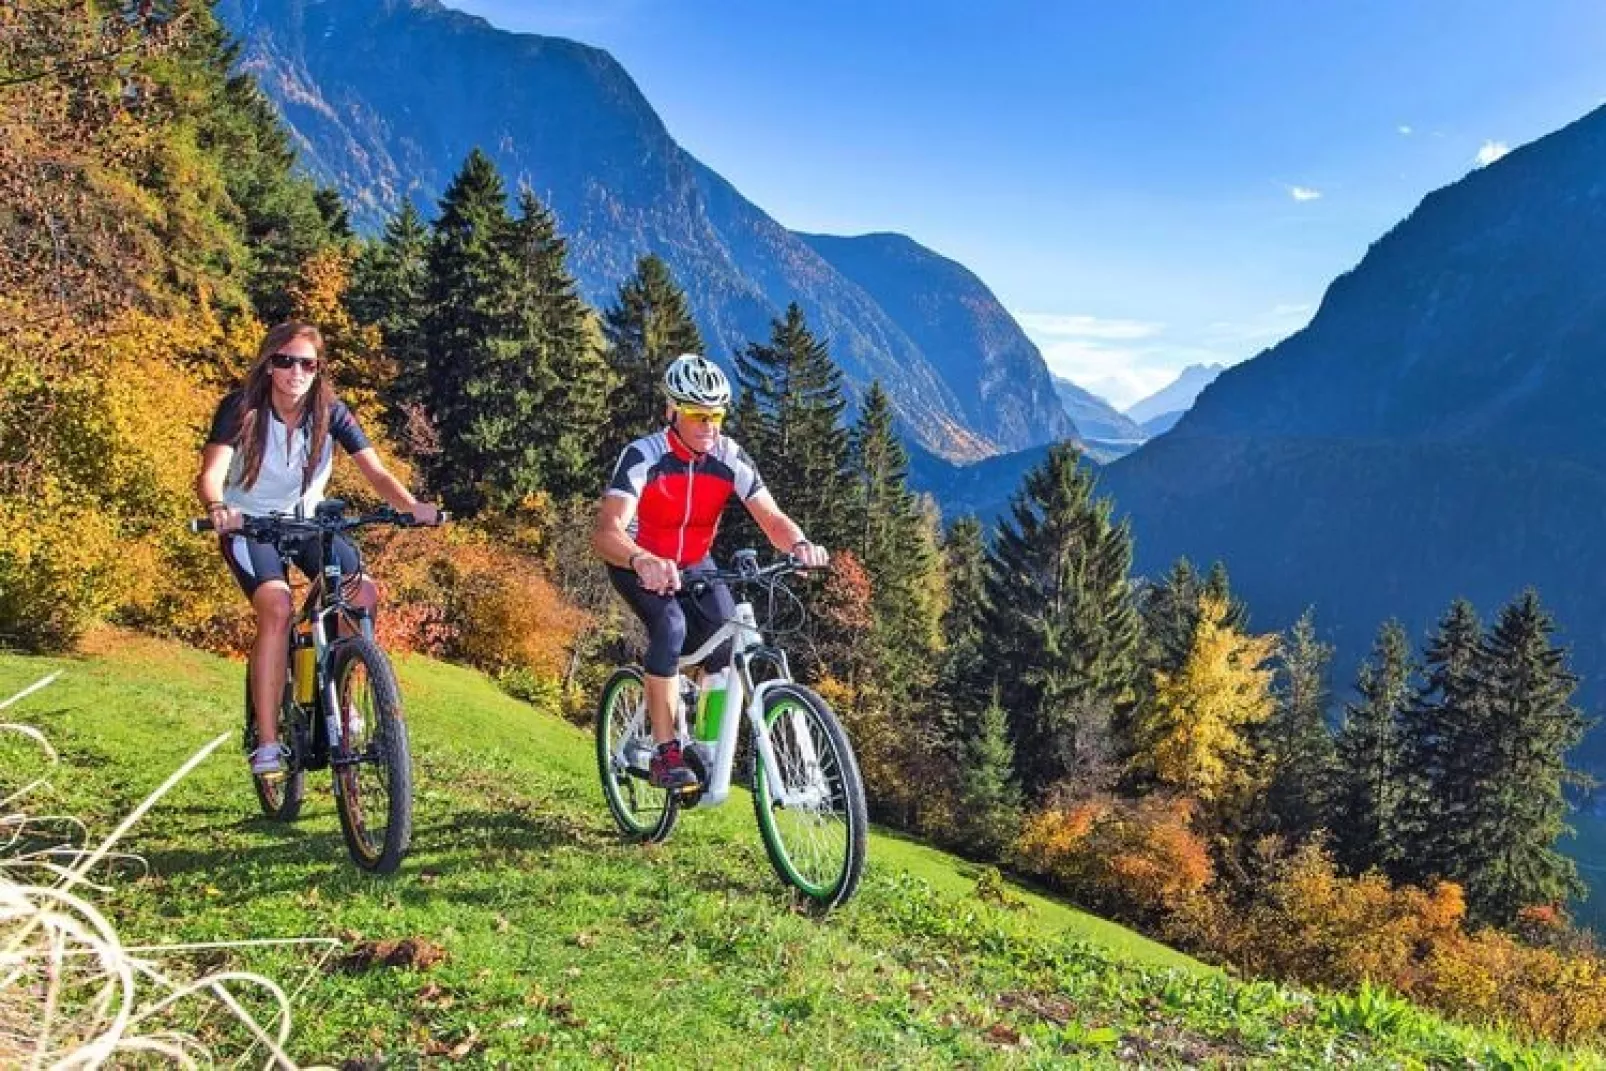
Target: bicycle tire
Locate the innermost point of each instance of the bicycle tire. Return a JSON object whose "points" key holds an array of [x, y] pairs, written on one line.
{"points": [[280, 798], [373, 733], [801, 842], [642, 813]]}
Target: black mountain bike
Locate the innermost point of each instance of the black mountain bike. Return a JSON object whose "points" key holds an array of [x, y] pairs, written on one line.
{"points": [[342, 708]]}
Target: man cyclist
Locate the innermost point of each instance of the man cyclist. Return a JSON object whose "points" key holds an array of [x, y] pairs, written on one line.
{"points": [[658, 518]]}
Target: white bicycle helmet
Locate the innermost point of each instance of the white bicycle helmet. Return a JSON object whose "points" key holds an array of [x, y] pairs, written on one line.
{"points": [[694, 380]]}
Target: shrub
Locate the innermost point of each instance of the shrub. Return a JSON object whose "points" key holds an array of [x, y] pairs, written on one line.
{"points": [[1140, 860]]}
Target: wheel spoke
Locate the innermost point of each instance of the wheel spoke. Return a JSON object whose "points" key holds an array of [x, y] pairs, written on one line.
{"points": [[812, 826]]}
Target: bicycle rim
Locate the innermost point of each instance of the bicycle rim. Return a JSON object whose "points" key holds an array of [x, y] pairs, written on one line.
{"points": [[373, 767], [816, 841]]}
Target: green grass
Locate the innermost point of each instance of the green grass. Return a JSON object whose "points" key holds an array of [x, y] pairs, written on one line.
{"points": [[565, 946]]}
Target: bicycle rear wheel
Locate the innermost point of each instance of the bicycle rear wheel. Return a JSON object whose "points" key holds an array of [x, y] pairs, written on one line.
{"points": [[624, 747], [279, 797], [816, 840], [373, 766]]}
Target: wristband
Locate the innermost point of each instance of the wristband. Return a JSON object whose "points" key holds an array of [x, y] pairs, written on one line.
{"points": [[630, 562], [213, 507], [801, 543]]}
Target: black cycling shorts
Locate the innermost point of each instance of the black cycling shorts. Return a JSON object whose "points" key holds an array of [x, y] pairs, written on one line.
{"points": [[254, 562], [677, 624]]}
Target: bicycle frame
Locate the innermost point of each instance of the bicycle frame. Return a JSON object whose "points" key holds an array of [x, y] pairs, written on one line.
{"points": [[747, 649]]}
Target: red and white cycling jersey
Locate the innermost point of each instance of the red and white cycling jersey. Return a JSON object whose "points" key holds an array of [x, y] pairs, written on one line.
{"points": [[680, 494]]}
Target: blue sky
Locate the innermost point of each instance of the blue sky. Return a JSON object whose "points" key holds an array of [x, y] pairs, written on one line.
{"points": [[1143, 184]]}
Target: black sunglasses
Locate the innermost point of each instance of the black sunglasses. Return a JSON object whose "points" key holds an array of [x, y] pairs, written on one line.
{"points": [[290, 360]]}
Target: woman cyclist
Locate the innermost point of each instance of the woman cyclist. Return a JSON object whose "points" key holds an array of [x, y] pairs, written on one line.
{"points": [[658, 518], [260, 459]]}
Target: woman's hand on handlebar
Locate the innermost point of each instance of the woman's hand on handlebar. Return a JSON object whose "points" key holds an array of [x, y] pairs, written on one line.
{"points": [[426, 514], [657, 574], [226, 520]]}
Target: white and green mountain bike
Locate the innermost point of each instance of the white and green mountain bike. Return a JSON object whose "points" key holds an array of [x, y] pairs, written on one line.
{"points": [[807, 792]]}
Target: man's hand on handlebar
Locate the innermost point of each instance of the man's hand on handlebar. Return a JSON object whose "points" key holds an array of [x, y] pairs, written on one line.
{"points": [[811, 555], [657, 574]]}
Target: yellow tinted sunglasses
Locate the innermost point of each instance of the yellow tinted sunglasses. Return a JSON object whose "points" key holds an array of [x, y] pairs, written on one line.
{"points": [[715, 417]]}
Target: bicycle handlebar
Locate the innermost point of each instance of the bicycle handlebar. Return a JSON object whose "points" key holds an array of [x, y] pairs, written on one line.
{"points": [[783, 566], [276, 526]]}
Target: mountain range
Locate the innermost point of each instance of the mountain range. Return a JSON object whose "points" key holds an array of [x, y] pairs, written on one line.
{"points": [[1432, 433], [385, 99]]}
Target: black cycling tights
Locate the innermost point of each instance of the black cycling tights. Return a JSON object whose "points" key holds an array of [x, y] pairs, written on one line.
{"points": [[677, 624]]}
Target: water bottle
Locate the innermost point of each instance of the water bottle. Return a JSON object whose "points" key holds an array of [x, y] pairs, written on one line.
{"points": [[305, 668], [711, 706]]}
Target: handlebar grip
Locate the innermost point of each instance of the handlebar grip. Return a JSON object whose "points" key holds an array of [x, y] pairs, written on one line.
{"points": [[201, 524]]}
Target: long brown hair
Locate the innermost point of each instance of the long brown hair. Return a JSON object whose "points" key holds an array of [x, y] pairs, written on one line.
{"points": [[257, 404]]}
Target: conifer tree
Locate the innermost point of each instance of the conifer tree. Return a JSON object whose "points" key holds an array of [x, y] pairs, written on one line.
{"points": [[561, 367], [389, 287], [963, 686], [1193, 736], [647, 327], [280, 213], [1366, 805], [1443, 732], [892, 538], [1510, 856], [1062, 635], [989, 811], [471, 355], [788, 419], [1296, 741], [1217, 586], [1170, 609]]}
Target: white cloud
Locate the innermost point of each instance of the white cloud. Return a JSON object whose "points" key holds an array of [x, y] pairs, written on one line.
{"points": [[1304, 193], [1055, 325], [1405, 130], [1491, 151]]}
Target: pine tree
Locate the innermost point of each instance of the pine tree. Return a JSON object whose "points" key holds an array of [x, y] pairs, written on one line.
{"points": [[1193, 736], [892, 537], [1296, 740], [470, 355], [561, 362], [389, 287], [647, 327], [788, 419], [1366, 803], [963, 686], [1061, 641], [1217, 586], [281, 214], [1443, 731], [1170, 610], [1510, 858], [989, 811]]}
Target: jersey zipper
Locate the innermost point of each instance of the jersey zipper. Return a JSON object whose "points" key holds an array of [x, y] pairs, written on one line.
{"points": [[680, 535]]}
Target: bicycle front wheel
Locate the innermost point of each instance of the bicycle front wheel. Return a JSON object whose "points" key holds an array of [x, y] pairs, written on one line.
{"points": [[811, 809], [373, 766], [624, 748], [279, 796]]}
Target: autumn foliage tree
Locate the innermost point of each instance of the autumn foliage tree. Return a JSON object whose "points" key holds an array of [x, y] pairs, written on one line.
{"points": [[1192, 735]]}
